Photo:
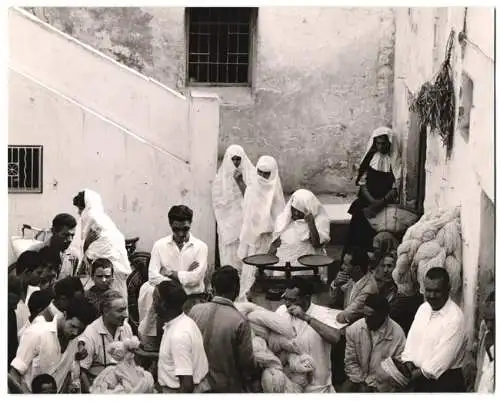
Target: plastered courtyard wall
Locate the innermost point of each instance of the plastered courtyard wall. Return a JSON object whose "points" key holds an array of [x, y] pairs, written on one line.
{"points": [[321, 80], [466, 178], [139, 164]]}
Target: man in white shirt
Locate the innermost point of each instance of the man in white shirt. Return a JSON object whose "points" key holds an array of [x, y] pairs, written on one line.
{"points": [[29, 268], [111, 326], [180, 255], [435, 348], [50, 347], [314, 325], [182, 363]]}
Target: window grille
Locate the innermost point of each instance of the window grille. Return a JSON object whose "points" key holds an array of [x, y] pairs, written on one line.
{"points": [[219, 45], [24, 169]]}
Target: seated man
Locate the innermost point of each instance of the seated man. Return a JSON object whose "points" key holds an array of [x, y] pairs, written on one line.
{"points": [[102, 276], [403, 307], [50, 347], [57, 245], [361, 285], [435, 348], [368, 342], [64, 291], [97, 337], [315, 332], [181, 256], [44, 384], [29, 269]]}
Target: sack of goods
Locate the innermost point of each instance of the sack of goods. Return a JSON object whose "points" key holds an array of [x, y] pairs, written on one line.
{"points": [[434, 241], [394, 219], [285, 368]]}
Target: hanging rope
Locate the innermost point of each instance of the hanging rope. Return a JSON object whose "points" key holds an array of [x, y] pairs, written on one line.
{"points": [[435, 102]]}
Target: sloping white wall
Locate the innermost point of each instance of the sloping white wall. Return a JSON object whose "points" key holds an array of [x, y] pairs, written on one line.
{"points": [[142, 146], [421, 35]]}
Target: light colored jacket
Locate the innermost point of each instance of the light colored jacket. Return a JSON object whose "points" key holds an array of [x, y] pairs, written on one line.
{"points": [[362, 356], [355, 296]]}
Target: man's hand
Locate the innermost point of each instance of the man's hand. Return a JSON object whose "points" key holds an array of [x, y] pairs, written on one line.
{"points": [[237, 175], [193, 266], [309, 218], [297, 311], [341, 318], [173, 274], [273, 249]]}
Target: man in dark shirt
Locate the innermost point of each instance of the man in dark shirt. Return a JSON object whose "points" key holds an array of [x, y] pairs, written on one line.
{"points": [[226, 336], [102, 275]]}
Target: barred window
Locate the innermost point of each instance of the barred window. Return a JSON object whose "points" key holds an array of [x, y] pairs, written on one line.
{"points": [[24, 169], [219, 45]]}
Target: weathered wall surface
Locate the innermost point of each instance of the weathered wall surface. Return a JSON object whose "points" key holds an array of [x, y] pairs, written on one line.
{"points": [[466, 178], [93, 137], [322, 80]]}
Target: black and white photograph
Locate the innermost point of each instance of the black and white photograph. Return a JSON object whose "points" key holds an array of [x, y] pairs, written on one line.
{"points": [[255, 198]]}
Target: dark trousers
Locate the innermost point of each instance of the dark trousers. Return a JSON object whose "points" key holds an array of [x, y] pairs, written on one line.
{"points": [[451, 381]]}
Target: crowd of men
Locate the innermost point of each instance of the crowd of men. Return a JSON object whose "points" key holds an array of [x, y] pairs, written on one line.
{"points": [[60, 332]]}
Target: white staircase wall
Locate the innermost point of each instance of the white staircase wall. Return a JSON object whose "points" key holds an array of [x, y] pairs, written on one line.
{"points": [[142, 146]]}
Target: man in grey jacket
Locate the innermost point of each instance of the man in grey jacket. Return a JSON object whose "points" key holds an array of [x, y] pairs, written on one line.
{"points": [[227, 336]]}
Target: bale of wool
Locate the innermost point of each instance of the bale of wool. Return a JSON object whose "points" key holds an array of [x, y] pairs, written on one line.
{"points": [[283, 356], [452, 266], [452, 238], [263, 356], [259, 331], [401, 268], [301, 379], [246, 307], [440, 237], [292, 387], [302, 363], [426, 264], [273, 321], [273, 381], [259, 344], [427, 250], [278, 343]]}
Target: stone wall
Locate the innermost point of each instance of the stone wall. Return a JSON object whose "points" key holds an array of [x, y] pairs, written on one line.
{"points": [[322, 80]]}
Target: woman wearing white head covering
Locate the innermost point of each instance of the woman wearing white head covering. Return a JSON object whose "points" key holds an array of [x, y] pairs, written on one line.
{"points": [[102, 239], [228, 189], [303, 228], [262, 204], [378, 178]]}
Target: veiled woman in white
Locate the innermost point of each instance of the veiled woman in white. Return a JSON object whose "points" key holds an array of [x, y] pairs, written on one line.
{"points": [[101, 238], [228, 189], [303, 228], [262, 204]]}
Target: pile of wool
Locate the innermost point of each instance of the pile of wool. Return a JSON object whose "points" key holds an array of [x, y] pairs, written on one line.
{"points": [[434, 241], [285, 368]]}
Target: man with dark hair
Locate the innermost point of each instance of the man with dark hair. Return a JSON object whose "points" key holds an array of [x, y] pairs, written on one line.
{"points": [[50, 347], [182, 363], [109, 327], [65, 291], [485, 378], [368, 342], [29, 268], [102, 274], [180, 255], [316, 332], [44, 384], [361, 284], [227, 336], [57, 245], [435, 348]]}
